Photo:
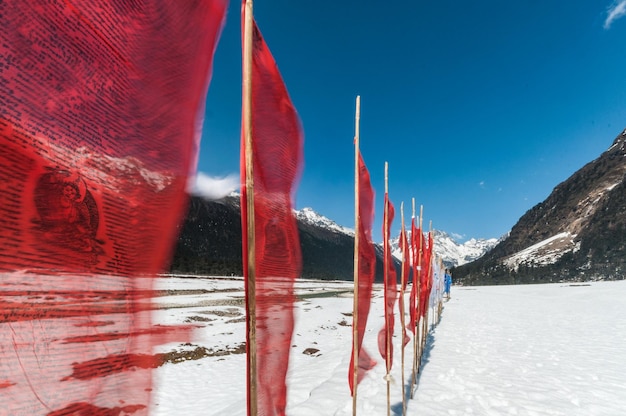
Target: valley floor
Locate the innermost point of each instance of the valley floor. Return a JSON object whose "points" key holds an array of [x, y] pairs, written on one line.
{"points": [[554, 349]]}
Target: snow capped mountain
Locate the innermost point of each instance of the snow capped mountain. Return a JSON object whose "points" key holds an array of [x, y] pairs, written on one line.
{"points": [[309, 216], [446, 247], [450, 251], [455, 254]]}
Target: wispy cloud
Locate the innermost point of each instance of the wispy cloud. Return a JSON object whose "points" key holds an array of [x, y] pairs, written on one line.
{"points": [[457, 236], [481, 184], [615, 11], [212, 188]]}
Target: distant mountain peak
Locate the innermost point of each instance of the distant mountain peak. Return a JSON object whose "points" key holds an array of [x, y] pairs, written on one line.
{"points": [[310, 216], [451, 251]]}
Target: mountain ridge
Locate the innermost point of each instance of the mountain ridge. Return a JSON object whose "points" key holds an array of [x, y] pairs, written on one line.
{"points": [[577, 233], [210, 243]]}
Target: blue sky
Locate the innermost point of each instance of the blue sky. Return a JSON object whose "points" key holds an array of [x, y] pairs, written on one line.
{"points": [[480, 108]]}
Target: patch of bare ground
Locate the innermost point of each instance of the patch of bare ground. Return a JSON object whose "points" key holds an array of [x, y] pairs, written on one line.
{"points": [[199, 352], [324, 294], [238, 301], [229, 313], [198, 319], [313, 352], [177, 292]]}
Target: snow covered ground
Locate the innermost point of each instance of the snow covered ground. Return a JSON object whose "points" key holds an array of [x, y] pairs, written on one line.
{"points": [[557, 349]]}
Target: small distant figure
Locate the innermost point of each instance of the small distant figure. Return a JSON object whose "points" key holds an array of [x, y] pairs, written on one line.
{"points": [[447, 284]]}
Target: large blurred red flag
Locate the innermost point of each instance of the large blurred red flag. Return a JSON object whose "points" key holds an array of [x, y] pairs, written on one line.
{"points": [[102, 105], [385, 335], [277, 164], [366, 272]]}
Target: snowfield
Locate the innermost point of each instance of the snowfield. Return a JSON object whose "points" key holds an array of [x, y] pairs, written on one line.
{"points": [[554, 349]]}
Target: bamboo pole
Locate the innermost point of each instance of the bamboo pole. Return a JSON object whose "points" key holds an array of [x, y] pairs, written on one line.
{"points": [[251, 362], [357, 226], [429, 267], [386, 273], [443, 281], [418, 332], [425, 320], [403, 278], [415, 329]]}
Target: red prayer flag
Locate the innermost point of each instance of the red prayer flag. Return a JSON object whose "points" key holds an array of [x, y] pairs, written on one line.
{"points": [[277, 163], [390, 290], [406, 270], [417, 242], [406, 254], [366, 272], [426, 276], [102, 105]]}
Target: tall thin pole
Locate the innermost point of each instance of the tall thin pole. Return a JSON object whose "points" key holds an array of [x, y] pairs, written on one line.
{"points": [[429, 266], [419, 350], [386, 274], [440, 306], [425, 320], [416, 332], [403, 278], [357, 227], [251, 363]]}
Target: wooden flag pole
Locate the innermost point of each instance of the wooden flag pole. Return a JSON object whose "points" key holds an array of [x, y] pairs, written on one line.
{"points": [[386, 273], [418, 322], [403, 278], [251, 265], [357, 227], [416, 329], [429, 267], [441, 295], [425, 320]]}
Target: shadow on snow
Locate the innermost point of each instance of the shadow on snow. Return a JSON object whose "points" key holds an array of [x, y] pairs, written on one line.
{"points": [[396, 409]]}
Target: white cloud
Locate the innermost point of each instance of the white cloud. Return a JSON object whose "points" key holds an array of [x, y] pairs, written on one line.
{"points": [[481, 184], [617, 10], [457, 236], [212, 188]]}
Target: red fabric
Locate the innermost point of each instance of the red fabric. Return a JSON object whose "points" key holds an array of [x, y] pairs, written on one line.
{"points": [[277, 163], [390, 290], [406, 262], [102, 104], [417, 242], [366, 272], [426, 276], [406, 270]]}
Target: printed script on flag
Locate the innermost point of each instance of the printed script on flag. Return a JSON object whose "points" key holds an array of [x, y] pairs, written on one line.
{"points": [[102, 105]]}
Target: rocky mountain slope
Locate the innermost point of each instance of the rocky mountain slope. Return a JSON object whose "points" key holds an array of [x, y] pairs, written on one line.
{"points": [[577, 233], [210, 242]]}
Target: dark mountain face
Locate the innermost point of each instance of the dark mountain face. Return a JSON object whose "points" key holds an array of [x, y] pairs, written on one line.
{"points": [[577, 233], [209, 243]]}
